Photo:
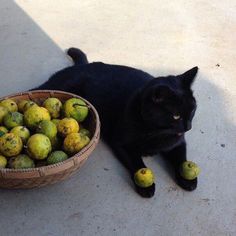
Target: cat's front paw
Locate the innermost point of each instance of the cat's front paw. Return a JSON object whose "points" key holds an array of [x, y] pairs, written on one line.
{"points": [[146, 192], [188, 185]]}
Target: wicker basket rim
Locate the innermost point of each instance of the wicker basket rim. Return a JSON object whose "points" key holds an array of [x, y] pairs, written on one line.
{"points": [[85, 149]]}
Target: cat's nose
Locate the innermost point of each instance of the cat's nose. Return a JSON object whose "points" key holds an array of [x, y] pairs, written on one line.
{"points": [[188, 126]]}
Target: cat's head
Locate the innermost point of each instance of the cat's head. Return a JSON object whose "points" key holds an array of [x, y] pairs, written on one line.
{"points": [[168, 103]]}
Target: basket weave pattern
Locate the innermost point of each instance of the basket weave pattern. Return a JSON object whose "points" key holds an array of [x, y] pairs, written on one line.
{"points": [[45, 175]]}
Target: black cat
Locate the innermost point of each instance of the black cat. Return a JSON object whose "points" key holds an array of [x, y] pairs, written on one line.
{"points": [[140, 114]]}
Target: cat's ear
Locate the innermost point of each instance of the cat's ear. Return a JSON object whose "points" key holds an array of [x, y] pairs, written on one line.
{"points": [[188, 77], [160, 93]]}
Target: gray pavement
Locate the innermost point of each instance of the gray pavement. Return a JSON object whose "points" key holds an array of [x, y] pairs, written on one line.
{"points": [[158, 37]]}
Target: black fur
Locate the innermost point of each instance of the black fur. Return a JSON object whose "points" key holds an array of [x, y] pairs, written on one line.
{"points": [[140, 114]]}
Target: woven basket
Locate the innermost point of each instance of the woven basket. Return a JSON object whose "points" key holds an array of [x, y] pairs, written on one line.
{"points": [[45, 175]]}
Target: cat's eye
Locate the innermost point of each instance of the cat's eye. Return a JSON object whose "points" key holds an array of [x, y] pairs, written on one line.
{"points": [[176, 117]]}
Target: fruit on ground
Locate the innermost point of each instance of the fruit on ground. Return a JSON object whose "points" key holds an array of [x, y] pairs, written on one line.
{"points": [[22, 132], [9, 104], [144, 177], [74, 142], [13, 119], [189, 170], [3, 161], [34, 115], [3, 130], [38, 146], [21, 161], [53, 105], [75, 108], [10, 145], [47, 128], [67, 126], [56, 156], [3, 112]]}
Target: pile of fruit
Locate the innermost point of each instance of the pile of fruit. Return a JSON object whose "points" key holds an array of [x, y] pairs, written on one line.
{"points": [[33, 135]]}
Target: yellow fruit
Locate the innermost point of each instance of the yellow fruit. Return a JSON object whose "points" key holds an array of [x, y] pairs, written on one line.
{"points": [[74, 142], [34, 115], [85, 132], [3, 112], [3, 161], [75, 108], [9, 104], [47, 128], [3, 130], [56, 156], [53, 105], [22, 132], [21, 105], [13, 119], [10, 145], [21, 161], [144, 177], [38, 146], [67, 126]]}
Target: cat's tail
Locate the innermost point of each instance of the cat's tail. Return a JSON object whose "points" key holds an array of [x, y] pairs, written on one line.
{"points": [[78, 56]]}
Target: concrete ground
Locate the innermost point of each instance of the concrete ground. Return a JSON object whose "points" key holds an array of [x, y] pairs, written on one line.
{"points": [[158, 37]]}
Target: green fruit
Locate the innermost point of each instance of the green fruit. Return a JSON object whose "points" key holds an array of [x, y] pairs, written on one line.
{"points": [[55, 121], [53, 105], [3, 130], [13, 119], [85, 132], [74, 142], [21, 105], [38, 146], [189, 170], [56, 143], [22, 132], [144, 177], [21, 161], [75, 108], [34, 115], [67, 126], [28, 105], [9, 104], [47, 128], [10, 145], [3, 112], [3, 161], [56, 156]]}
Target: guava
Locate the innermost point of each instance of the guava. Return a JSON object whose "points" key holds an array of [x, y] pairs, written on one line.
{"points": [[22, 132], [53, 105], [38, 146], [3, 130], [47, 128], [189, 170], [55, 121], [21, 161], [74, 142], [67, 126], [9, 104], [144, 177], [10, 145], [3, 161], [75, 108], [56, 156], [34, 115], [3, 112], [13, 119]]}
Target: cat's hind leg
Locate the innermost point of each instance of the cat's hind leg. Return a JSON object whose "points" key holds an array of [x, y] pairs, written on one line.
{"points": [[78, 56]]}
